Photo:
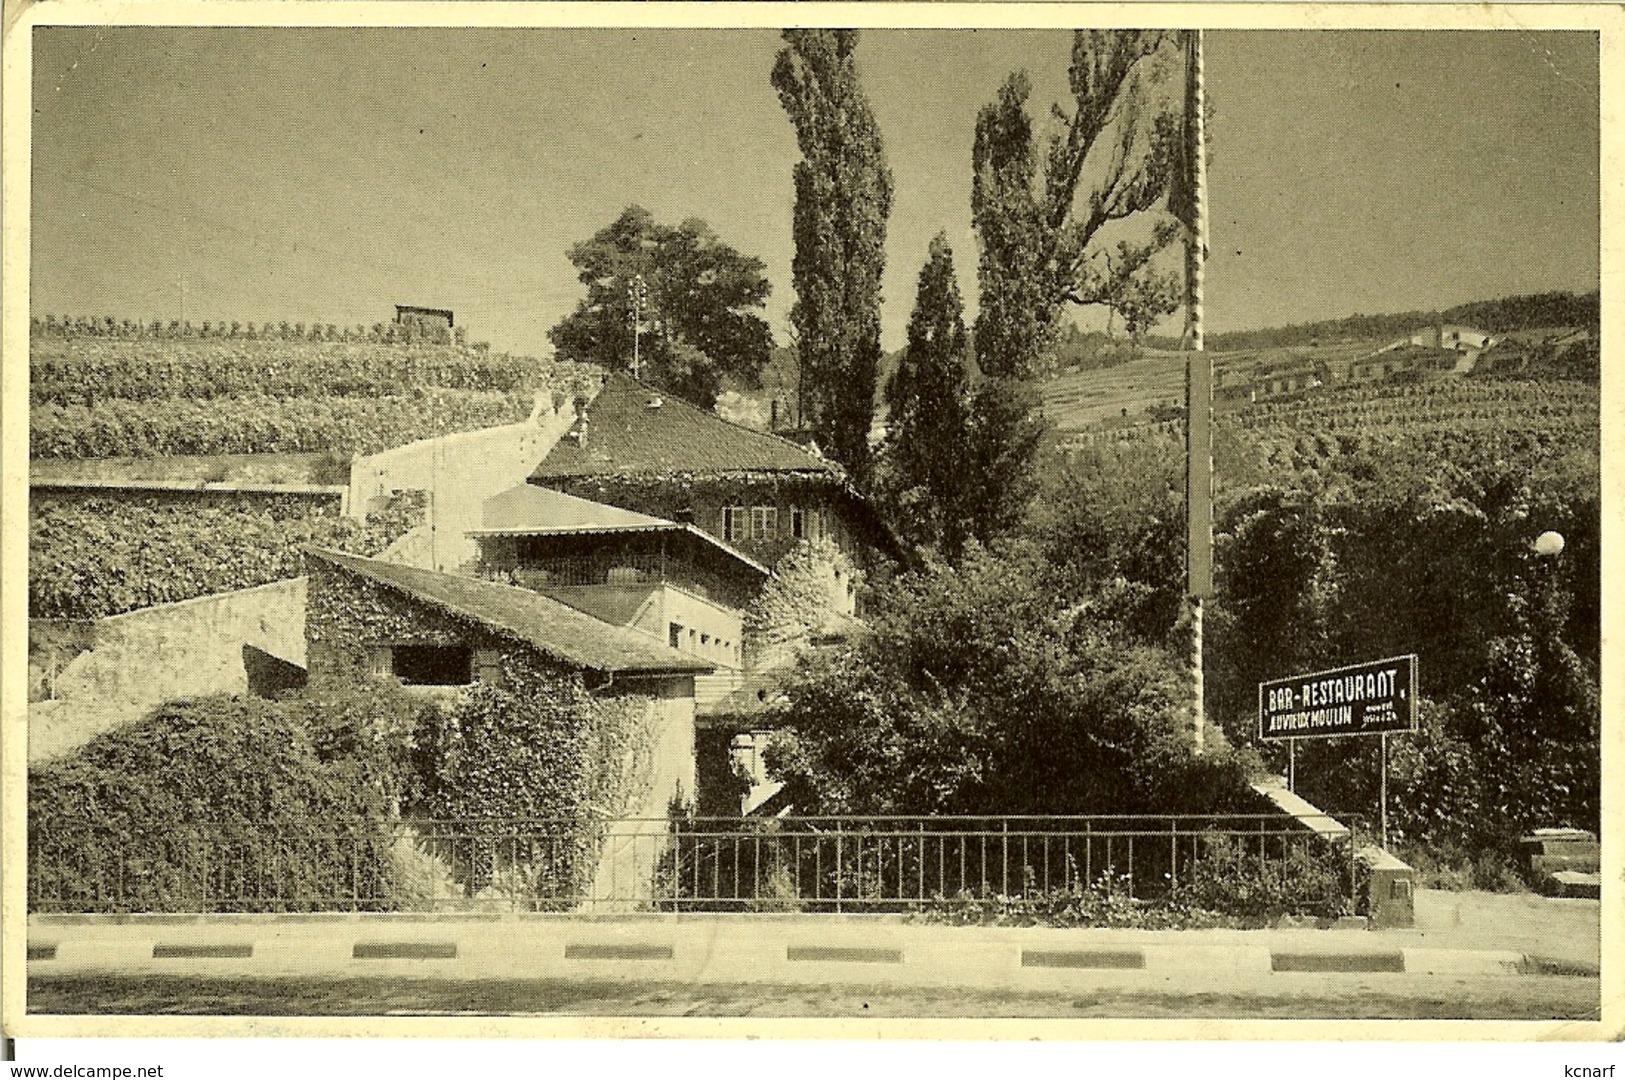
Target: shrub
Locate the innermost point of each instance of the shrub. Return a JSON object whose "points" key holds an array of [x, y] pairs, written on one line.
{"points": [[226, 803]]}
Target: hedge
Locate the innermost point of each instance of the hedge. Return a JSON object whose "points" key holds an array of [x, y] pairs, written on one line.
{"points": [[225, 803]]}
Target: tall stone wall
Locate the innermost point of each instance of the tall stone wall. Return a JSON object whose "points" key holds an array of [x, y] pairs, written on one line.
{"points": [[186, 649]]}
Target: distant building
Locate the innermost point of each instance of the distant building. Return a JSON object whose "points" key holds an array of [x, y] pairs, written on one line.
{"points": [[1452, 337], [407, 313], [1294, 380]]}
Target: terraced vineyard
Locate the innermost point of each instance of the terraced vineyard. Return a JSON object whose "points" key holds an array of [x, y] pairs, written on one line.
{"points": [[117, 403], [1445, 401], [140, 394], [1444, 418]]}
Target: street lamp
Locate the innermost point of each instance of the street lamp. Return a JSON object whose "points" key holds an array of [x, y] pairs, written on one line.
{"points": [[1549, 544]]}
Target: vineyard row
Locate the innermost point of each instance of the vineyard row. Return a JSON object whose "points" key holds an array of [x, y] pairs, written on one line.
{"points": [[93, 556], [256, 424], [64, 372]]}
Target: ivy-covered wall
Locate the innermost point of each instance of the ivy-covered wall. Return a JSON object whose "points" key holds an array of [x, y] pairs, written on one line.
{"points": [[542, 741], [811, 583], [348, 617]]}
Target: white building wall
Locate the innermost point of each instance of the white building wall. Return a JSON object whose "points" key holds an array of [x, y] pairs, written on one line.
{"points": [[459, 471]]}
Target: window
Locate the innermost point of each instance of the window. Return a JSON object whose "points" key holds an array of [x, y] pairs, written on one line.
{"points": [[433, 665], [674, 636], [733, 523], [764, 523], [798, 524]]}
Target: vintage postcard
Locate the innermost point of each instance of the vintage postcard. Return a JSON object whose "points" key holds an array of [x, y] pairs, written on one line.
{"points": [[897, 521]]}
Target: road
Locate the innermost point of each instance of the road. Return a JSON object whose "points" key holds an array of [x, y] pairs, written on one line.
{"points": [[1273, 996]]}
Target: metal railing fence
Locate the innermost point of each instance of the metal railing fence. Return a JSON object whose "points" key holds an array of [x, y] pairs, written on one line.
{"points": [[810, 864]]}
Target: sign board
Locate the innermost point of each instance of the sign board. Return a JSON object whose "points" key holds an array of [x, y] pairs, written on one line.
{"points": [[1365, 699]]}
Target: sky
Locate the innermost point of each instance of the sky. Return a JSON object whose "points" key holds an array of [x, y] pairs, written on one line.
{"points": [[326, 175]]}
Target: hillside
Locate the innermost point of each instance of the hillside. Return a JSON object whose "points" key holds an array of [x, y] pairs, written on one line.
{"points": [[262, 415], [1459, 421], [1498, 316], [106, 389]]}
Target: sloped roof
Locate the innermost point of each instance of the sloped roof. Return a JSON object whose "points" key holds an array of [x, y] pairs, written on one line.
{"points": [[617, 605], [531, 509], [633, 429], [556, 629], [528, 510]]}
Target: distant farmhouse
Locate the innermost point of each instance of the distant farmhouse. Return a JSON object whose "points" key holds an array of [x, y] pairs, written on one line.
{"points": [[1441, 349]]}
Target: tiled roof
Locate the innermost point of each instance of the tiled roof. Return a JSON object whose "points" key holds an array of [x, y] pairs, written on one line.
{"points": [[633, 429], [556, 629]]}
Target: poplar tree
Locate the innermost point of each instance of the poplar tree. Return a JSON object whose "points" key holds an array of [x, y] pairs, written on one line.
{"points": [[1038, 217], [843, 198], [923, 470]]}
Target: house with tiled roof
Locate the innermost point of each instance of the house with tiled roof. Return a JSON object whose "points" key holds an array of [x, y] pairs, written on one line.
{"points": [[427, 628], [630, 697], [669, 580], [638, 448], [733, 545]]}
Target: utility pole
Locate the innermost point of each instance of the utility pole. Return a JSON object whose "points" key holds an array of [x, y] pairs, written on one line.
{"points": [[1198, 384], [637, 299]]}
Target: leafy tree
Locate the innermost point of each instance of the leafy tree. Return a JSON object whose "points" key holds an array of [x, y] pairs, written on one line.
{"points": [[1038, 224], [981, 691], [1139, 297], [700, 322], [924, 472], [1038, 237], [1111, 526], [1005, 434], [843, 198]]}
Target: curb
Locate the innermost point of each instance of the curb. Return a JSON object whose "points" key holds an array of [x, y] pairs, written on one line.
{"points": [[716, 952]]}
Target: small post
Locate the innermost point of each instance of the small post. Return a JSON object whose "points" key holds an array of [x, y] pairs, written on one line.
{"points": [[1292, 765], [1383, 796]]}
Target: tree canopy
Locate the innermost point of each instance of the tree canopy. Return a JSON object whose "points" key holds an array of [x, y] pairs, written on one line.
{"points": [[1109, 157], [699, 318], [922, 469], [1040, 219], [843, 198]]}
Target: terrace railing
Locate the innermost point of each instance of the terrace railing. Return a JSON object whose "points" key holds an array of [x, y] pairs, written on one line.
{"points": [[809, 864]]}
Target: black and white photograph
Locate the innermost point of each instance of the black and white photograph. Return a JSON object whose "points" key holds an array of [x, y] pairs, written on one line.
{"points": [[1074, 522]]}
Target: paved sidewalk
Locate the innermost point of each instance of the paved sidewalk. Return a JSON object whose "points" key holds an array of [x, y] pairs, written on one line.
{"points": [[1568, 930], [1466, 934]]}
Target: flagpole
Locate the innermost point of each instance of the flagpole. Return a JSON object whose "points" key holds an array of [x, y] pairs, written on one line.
{"points": [[1198, 385]]}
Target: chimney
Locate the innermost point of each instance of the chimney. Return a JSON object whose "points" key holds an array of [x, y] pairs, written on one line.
{"points": [[580, 433]]}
